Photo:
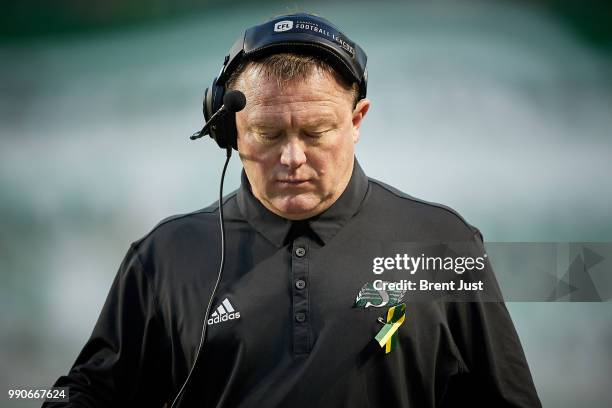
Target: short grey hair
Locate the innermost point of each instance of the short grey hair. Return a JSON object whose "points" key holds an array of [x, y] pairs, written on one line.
{"points": [[285, 67]]}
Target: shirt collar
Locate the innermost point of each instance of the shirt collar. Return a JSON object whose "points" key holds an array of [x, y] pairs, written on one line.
{"points": [[324, 225]]}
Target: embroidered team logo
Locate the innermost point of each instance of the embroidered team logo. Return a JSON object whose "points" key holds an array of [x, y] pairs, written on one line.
{"points": [[224, 312], [370, 297]]}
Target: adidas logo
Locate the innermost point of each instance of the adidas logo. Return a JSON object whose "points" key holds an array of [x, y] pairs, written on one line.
{"points": [[225, 311]]}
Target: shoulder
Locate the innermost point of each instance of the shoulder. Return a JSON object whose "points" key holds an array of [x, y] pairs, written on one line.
{"points": [[186, 229], [429, 218]]}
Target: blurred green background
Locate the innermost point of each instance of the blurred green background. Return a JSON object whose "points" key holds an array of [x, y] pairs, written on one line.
{"points": [[499, 109]]}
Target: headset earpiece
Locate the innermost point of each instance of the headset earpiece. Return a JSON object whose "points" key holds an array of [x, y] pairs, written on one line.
{"points": [[223, 131]]}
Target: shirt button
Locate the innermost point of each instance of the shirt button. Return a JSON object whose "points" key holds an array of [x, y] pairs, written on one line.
{"points": [[300, 252], [300, 284], [300, 317]]}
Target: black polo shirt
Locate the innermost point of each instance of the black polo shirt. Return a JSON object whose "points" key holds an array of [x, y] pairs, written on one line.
{"points": [[285, 329]]}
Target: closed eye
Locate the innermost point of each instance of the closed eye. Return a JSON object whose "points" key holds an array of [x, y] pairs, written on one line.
{"points": [[267, 136], [316, 134]]}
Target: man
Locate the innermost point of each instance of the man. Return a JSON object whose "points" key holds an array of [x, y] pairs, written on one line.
{"points": [[294, 321]]}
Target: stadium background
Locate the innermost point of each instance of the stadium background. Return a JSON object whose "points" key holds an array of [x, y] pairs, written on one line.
{"points": [[499, 109]]}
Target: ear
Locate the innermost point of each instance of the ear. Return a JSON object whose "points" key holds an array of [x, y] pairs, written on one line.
{"points": [[358, 114]]}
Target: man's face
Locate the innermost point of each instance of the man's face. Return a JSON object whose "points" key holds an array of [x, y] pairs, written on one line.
{"points": [[296, 141]]}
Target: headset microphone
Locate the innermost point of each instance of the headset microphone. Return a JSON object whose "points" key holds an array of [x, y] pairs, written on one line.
{"points": [[233, 101]]}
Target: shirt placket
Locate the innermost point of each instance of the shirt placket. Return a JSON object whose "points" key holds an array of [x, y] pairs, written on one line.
{"points": [[301, 312]]}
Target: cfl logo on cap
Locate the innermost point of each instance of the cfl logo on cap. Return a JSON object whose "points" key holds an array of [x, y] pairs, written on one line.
{"points": [[284, 25]]}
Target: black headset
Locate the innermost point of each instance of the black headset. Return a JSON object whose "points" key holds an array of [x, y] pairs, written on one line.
{"points": [[297, 33]]}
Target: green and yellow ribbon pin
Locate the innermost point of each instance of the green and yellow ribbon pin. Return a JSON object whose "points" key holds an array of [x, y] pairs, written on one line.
{"points": [[388, 335]]}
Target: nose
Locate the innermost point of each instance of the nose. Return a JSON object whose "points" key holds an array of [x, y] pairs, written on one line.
{"points": [[293, 154]]}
